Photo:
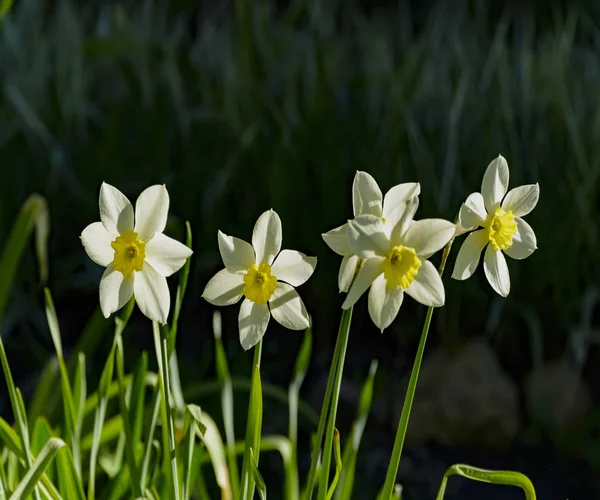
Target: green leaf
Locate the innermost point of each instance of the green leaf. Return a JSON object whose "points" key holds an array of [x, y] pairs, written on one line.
{"points": [[129, 443], [68, 477], [214, 445], [137, 400], [10, 438], [509, 478], [32, 476], [303, 358], [192, 424], [227, 406], [80, 392], [258, 479], [183, 279], [70, 414], [352, 444], [33, 214], [145, 467], [338, 464], [253, 425]]}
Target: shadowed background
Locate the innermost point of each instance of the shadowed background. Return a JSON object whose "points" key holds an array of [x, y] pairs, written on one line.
{"points": [[239, 109]]}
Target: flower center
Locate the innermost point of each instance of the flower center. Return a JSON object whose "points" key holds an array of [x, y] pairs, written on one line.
{"points": [[400, 267], [259, 283], [129, 253], [502, 227]]}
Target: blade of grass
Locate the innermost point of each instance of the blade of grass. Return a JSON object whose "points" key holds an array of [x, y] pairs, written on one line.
{"points": [[148, 447], [292, 487], [502, 477], [392, 471], [32, 476], [168, 430], [351, 448], [344, 333], [129, 443], [258, 479], [216, 452], [253, 426], [70, 417], [226, 403], [192, 424], [183, 279], [338, 464]]}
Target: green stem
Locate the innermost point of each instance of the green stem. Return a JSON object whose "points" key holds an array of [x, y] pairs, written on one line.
{"points": [[160, 343], [247, 491], [343, 334], [392, 471], [340, 345]]}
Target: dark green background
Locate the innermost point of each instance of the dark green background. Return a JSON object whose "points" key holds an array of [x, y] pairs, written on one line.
{"points": [[239, 109]]}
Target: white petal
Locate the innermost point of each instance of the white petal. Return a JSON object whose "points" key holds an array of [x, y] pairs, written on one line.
{"points": [[115, 291], [522, 200], [524, 241], [287, 308], [495, 183], [152, 293], [370, 269], [427, 236], [237, 254], [224, 288], [266, 237], [366, 195], [384, 304], [96, 241], [472, 212], [337, 240], [469, 254], [165, 254], [367, 236], [398, 196], [427, 287], [496, 271], [151, 211], [347, 270], [116, 212], [253, 321], [293, 267], [399, 222]]}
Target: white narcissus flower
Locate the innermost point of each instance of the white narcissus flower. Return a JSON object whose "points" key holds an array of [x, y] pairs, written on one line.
{"points": [[137, 255], [502, 229], [266, 278], [396, 262], [367, 199]]}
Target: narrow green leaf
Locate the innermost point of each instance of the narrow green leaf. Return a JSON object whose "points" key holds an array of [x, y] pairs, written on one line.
{"points": [[33, 214], [227, 406], [253, 425], [192, 425], [68, 476], [145, 467], [168, 429], [80, 392], [216, 451], [195, 413], [99, 416], [10, 438], [137, 400], [338, 464], [32, 476], [258, 479], [509, 478], [183, 279], [352, 444], [292, 486], [129, 443], [344, 333], [70, 414]]}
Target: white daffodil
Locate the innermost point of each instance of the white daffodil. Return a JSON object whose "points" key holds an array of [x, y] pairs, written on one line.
{"points": [[266, 278], [396, 262], [367, 200], [502, 228], [137, 255]]}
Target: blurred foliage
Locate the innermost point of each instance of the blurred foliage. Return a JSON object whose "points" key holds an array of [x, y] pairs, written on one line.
{"points": [[241, 109]]}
